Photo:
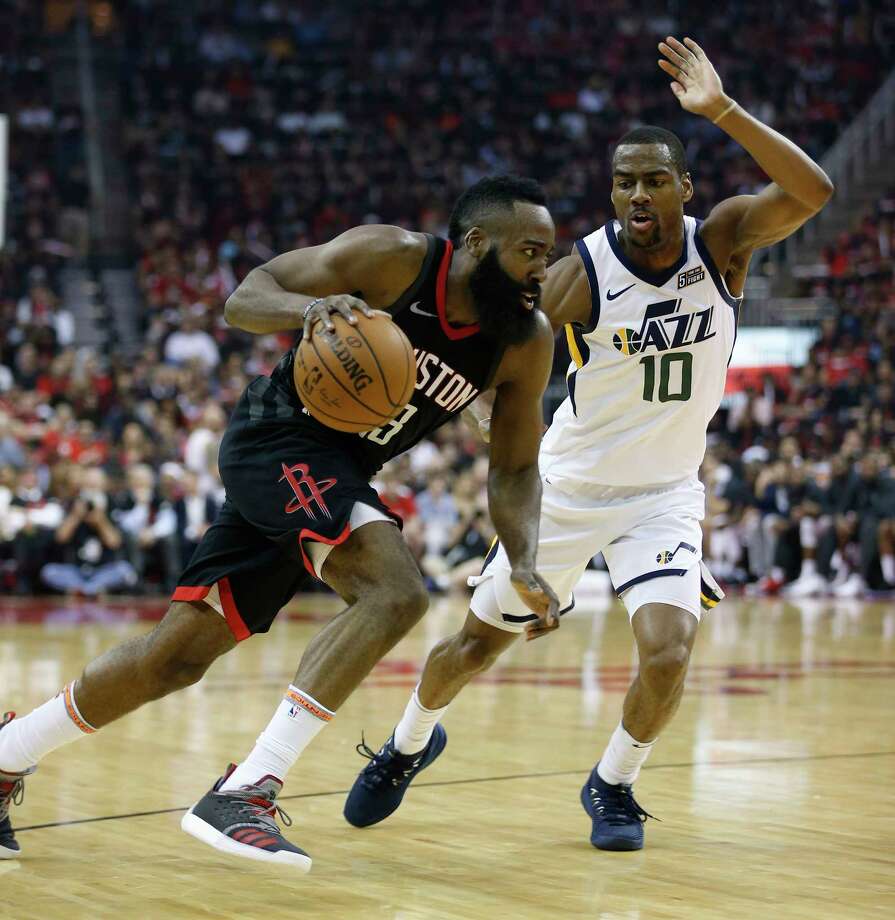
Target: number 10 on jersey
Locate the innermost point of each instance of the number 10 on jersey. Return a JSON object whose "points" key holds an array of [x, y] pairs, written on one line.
{"points": [[675, 376]]}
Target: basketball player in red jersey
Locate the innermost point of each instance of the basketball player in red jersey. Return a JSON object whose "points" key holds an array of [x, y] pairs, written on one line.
{"points": [[299, 504]]}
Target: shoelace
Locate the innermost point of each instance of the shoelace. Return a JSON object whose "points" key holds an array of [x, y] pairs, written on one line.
{"points": [[384, 767], [264, 810], [16, 795], [618, 806]]}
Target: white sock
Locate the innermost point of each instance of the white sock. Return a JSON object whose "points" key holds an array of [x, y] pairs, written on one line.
{"points": [[296, 723], [888, 566], [27, 740], [416, 725], [623, 757], [808, 567]]}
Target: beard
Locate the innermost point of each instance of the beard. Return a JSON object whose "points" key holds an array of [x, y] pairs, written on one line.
{"points": [[498, 300], [653, 241]]}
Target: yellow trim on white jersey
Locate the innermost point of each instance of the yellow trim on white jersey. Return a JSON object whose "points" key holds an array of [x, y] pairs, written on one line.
{"points": [[574, 351]]}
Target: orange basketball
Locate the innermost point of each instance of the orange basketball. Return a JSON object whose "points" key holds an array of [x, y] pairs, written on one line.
{"points": [[357, 377]]}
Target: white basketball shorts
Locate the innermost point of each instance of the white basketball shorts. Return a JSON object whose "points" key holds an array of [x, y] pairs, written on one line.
{"points": [[651, 540]]}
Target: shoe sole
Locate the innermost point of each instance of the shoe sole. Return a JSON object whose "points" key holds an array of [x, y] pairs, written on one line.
{"points": [[7, 853], [432, 758], [619, 844], [202, 830]]}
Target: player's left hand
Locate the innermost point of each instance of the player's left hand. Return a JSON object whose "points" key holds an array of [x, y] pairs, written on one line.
{"points": [[538, 597], [695, 81]]}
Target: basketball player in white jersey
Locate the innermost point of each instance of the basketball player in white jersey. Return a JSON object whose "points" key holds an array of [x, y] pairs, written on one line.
{"points": [[650, 305]]}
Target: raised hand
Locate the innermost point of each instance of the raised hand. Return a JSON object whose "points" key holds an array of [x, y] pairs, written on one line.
{"points": [[695, 81]]}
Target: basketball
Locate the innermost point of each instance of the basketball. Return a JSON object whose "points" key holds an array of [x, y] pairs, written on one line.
{"points": [[357, 377]]}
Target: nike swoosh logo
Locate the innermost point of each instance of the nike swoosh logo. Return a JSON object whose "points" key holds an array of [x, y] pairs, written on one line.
{"points": [[415, 308], [611, 296]]}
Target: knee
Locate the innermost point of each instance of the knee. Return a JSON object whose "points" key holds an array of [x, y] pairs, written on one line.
{"points": [[407, 602], [665, 668], [474, 654], [165, 668], [166, 673], [177, 654]]}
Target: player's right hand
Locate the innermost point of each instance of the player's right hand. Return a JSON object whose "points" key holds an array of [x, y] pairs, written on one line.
{"points": [[538, 597], [342, 304]]}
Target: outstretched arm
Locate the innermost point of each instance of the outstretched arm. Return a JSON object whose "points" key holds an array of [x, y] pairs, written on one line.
{"points": [[514, 483], [363, 267], [799, 187]]}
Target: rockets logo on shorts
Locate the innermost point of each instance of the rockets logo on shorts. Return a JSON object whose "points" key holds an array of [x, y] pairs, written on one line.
{"points": [[304, 500]]}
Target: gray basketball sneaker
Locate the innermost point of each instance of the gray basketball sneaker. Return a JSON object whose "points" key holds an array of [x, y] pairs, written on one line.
{"points": [[12, 791], [242, 822]]}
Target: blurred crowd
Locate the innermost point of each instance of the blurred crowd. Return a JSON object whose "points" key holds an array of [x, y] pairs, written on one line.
{"points": [[801, 475], [253, 128]]}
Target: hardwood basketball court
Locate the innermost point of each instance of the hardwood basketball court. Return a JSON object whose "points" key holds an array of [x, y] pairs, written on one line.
{"points": [[774, 786]]}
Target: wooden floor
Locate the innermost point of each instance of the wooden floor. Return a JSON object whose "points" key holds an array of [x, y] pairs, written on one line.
{"points": [[775, 786]]}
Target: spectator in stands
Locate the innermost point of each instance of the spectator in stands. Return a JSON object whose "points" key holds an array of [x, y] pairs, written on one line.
{"points": [[201, 449], [391, 484], [89, 544], [29, 516], [868, 498], [438, 513], [11, 451], [195, 511], [148, 523], [797, 546], [192, 343]]}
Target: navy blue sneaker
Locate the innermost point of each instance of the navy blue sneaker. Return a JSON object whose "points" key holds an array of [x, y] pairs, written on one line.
{"points": [[617, 818], [380, 786]]}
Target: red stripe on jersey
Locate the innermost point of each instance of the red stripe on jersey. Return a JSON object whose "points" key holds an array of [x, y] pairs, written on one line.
{"points": [[452, 332]]}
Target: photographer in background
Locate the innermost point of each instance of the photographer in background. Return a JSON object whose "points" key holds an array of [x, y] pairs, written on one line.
{"points": [[89, 544], [148, 524]]}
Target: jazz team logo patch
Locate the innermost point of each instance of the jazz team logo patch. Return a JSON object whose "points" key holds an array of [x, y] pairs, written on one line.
{"points": [[664, 557], [665, 326], [627, 341]]}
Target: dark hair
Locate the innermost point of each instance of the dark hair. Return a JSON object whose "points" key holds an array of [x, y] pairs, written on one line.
{"points": [[651, 134], [488, 195]]}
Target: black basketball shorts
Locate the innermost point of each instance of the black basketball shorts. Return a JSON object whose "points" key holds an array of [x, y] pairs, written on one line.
{"points": [[287, 488]]}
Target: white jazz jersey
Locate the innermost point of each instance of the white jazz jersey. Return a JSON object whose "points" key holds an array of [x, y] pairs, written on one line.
{"points": [[648, 370]]}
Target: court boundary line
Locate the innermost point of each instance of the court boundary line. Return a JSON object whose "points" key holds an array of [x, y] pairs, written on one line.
{"points": [[476, 779]]}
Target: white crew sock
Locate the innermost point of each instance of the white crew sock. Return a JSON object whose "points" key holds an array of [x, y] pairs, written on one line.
{"points": [[27, 740], [809, 567], [296, 723], [623, 757], [887, 563], [416, 725]]}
